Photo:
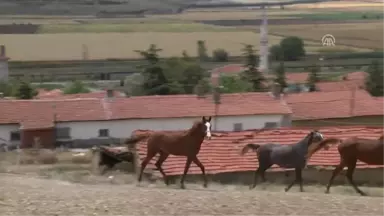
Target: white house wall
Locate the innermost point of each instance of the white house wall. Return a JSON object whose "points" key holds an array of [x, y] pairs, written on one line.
{"points": [[5, 131], [124, 128]]}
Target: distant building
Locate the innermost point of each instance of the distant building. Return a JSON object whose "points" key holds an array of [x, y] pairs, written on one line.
{"points": [[102, 119]]}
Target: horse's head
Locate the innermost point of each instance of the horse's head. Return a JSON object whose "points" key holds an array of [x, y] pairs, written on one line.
{"points": [[204, 126], [315, 136]]}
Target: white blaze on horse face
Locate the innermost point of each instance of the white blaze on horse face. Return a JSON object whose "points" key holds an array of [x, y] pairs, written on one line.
{"points": [[208, 131], [320, 135]]}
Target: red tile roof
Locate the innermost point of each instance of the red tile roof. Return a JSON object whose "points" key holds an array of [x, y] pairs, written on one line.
{"points": [[176, 106], [222, 153], [32, 114], [58, 94], [296, 77], [40, 112], [326, 105], [340, 85]]}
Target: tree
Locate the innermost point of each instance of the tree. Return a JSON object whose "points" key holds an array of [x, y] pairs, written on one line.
{"points": [[25, 91], [280, 76], [292, 48], [202, 51], [6, 88], [275, 53], [220, 55], [251, 74], [76, 87], [185, 56], [155, 81], [313, 78], [234, 84], [203, 87], [374, 80]]}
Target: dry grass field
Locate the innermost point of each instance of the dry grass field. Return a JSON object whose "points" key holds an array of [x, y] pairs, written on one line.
{"points": [[62, 38], [364, 35], [119, 45], [70, 188]]}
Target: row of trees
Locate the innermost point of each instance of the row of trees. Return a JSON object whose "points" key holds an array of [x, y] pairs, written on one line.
{"points": [[22, 89], [185, 76], [289, 49]]}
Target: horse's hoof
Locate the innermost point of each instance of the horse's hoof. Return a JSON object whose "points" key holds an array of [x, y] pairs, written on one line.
{"points": [[363, 194], [182, 186], [327, 191], [286, 189], [251, 187], [205, 185]]}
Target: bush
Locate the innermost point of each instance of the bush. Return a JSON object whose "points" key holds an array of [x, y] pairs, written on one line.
{"points": [[292, 48], [76, 87], [220, 55]]}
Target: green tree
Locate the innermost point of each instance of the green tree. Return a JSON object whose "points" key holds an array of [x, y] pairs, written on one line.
{"points": [[220, 55], [6, 88], [292, 48], [185, 56], [202, 52], [234, 84], [275, 53], [251, 73], [203, 87], [313, 78], [280, 76], [155, 81], [374, 80], [76, 87], [25, 91]]}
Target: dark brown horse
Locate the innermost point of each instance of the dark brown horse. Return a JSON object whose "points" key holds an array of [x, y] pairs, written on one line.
{"points": [[182, 143], [369, 151], [285, 156]]}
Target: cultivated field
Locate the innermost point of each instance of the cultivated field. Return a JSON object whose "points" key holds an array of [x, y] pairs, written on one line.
{"points": [[363, 35], [357, 27], [118, 45], [69, 187]]}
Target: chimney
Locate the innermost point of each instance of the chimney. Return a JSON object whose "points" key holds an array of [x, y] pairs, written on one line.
{"points": [[2, 51], [109, 93], [276, 90]]}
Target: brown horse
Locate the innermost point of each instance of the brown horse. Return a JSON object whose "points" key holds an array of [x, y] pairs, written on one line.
{"points": [[368, 151], [183, 143]]}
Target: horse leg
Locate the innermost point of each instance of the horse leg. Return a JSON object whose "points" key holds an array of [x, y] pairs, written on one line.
{"points": [[351, 168], [337, 170], [298, 179], [187, 165], [201, 166], [145, 162], [163, 156], [260, 171]]}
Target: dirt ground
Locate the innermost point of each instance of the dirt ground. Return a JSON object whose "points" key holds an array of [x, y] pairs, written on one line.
{"points": [[33, 195]]}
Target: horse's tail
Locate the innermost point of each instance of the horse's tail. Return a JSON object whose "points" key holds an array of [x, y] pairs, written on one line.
{"points": [[252, 146], [322, 144], [137, 138]]}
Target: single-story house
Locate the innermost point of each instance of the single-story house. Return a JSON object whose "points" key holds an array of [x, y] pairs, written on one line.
{"points": [[355, 107], [117, 117]]}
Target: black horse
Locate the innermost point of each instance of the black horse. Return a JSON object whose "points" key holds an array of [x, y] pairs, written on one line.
{"points": [[285, 156]]}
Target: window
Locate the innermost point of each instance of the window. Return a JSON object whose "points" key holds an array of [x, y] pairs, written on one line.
{"points": [[63, 133], [237, 127], [15, 136], [270, 125], [103, 133]]}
